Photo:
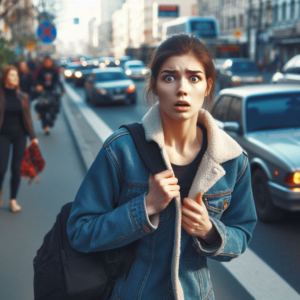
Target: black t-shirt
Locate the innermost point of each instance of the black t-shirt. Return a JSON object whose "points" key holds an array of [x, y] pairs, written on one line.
{"points": [[186, 174], [13, 114]]}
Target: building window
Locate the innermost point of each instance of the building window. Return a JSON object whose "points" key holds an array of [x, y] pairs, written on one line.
{"points": [[275, 14], [283, 11], [292, 15], [234, 22], [242, 21]]}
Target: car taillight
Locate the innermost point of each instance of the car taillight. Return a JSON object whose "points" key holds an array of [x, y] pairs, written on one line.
{"points": [[293, 178], [131, 88]]}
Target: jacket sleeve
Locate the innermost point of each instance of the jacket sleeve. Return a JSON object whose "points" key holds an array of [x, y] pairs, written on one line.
{"points": [[96, 222], [236, 224]]}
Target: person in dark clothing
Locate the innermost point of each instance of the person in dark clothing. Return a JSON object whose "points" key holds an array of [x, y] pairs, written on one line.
{"points": [[32, 64], [47, 80], [26, 79], [15, 125]]}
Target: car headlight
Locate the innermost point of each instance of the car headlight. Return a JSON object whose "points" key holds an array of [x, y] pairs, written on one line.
{"points": [[102, 91], [144, 71], [84, 63], [78, 74], [131, 88], [117, 62], [293, 178], [236, 79], [96, 63], [102, 65], [107, 62], [68, 73], [128, 72], [276, 77]]}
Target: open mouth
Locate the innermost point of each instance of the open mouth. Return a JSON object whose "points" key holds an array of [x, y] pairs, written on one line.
{"points": [[182, 103]]}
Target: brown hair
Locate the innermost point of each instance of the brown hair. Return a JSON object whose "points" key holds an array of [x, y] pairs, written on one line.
{"points": [[176, 45], [5, 73], [27, 69]]}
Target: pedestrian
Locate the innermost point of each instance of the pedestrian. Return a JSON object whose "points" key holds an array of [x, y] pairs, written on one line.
{"points": [[26, 79], [15, 125], [47, 82], [202, 206], [32, 64]]}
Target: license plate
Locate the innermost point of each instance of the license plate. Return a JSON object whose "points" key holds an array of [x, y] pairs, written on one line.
{"points": [[119, 97]]}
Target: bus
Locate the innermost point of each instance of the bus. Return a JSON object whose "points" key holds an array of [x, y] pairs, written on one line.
{"points": [[202, 27], [207, 29]]}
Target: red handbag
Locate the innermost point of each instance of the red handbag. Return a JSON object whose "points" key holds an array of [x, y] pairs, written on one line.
{"points": [[32, 163]]}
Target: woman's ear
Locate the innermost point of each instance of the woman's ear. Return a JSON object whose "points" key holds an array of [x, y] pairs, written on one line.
{"points": [[209, 86]]}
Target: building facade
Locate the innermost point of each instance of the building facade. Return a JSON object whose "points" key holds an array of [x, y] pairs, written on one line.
{"points": [[270, 28]]}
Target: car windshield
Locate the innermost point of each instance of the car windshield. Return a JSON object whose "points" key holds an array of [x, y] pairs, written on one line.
{"points": [[135, 66], [110, 76], [72, 67], [247, 66], [88, 67], [273, 112]]}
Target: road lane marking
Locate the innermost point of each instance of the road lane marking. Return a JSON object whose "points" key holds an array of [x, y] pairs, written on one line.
{"points": [[258, 278], [99, 127]]}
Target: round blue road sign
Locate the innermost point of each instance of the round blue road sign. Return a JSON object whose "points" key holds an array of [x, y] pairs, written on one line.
{"points": [[46, 32]]}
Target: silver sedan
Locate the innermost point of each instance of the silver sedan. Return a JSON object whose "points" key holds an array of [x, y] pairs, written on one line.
{"points": [[265, 121]]}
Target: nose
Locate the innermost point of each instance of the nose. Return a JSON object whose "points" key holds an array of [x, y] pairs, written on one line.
{"points": [[182, 90]]}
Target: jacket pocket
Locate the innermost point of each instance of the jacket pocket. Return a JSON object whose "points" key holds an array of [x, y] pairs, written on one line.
{"points": [[217, 203]]}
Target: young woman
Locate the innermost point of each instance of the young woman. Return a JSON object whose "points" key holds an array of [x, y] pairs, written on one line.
{"points": [[15, 125], [202, 206]]}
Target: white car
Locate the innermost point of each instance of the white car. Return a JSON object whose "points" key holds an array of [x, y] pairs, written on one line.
{"points": [[136, 69]]}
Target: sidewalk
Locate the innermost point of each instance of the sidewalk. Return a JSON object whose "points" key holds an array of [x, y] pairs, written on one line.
{"points": [[21, 234]]}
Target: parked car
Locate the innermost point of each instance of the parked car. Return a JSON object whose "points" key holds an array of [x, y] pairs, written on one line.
{"points": [[238, 72], [290, 72], [264, 120], [83, 71], [136, 69], [70, 69], [109, 86]]}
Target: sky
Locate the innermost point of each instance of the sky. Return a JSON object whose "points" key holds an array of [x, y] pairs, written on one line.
{"points": [[85, 10]]}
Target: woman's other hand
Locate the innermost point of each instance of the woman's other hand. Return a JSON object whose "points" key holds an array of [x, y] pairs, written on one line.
{"points": [[35, 140], [196, 222], [162, 189]]}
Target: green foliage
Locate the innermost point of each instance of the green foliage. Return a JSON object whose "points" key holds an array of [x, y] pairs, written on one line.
{"points": [[7, 55]]}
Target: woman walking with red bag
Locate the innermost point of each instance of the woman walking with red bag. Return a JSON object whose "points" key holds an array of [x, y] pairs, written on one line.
{"points": [[15, 125]]}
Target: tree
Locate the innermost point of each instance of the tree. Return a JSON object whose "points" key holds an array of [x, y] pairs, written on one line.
{"points": [[7, 56]]}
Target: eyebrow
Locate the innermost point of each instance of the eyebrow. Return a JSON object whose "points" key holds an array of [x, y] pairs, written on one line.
{"points": [[175, 71]]}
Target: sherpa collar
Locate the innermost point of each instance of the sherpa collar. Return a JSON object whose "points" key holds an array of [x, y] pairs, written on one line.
{"points": [[220, 148]]}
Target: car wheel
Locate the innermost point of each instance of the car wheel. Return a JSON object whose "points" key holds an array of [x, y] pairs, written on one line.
{"points": [[87, 99], [265, 209], [133, 101]]}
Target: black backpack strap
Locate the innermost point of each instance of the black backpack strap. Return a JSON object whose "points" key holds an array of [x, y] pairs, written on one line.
{"points": [[149, 151]]}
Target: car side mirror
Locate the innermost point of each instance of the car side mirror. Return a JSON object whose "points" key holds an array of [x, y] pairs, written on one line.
{"points": [[232, 126]]}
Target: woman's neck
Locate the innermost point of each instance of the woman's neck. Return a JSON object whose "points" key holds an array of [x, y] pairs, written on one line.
{"points": [[182, 136], [10, 86]]}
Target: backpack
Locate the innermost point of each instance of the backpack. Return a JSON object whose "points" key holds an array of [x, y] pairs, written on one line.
{"points": [[62, 273]]}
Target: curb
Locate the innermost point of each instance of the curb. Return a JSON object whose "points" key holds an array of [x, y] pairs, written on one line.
{"points": [[84, 151]]}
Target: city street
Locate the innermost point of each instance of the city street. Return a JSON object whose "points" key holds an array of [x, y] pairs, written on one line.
{"points": [[268, 270]]}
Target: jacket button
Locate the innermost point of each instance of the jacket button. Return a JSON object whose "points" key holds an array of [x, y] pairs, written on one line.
{"points": [[225, 204], [146, 229]]}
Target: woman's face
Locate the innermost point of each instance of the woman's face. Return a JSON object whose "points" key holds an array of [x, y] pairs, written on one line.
{"points": [[12, 79], [181, 86]]}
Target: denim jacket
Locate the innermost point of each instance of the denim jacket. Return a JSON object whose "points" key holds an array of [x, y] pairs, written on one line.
{"points": [[109, 211]]}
